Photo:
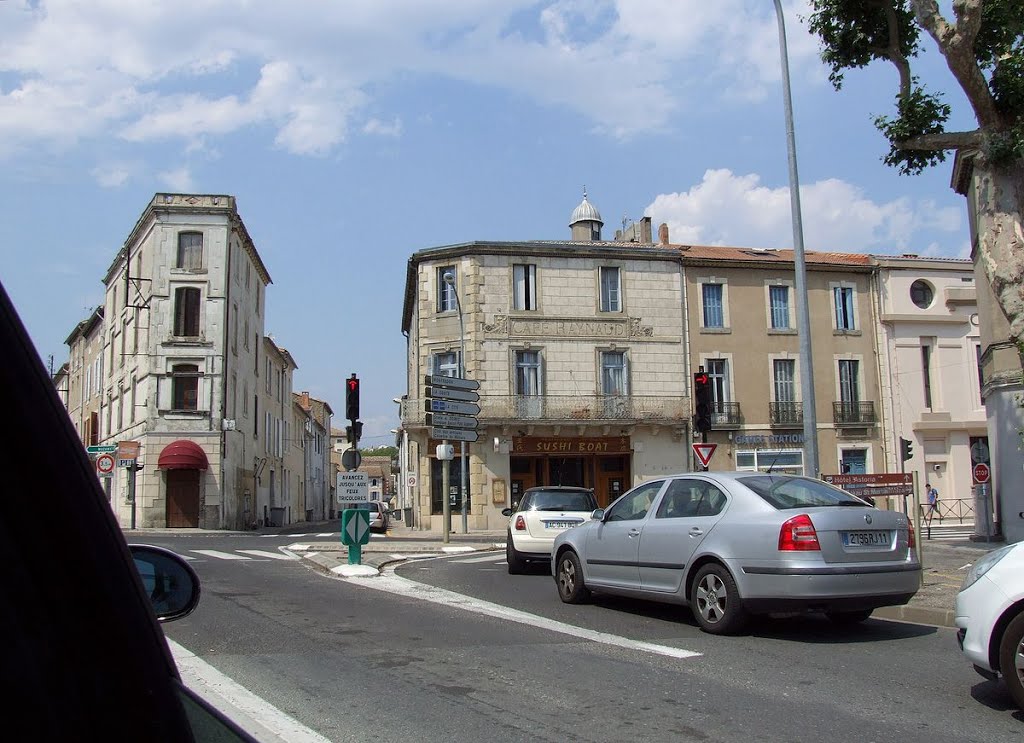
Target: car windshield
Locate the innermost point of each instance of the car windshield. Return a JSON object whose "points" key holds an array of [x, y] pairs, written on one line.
{"points": [[557, 500], [785, 492]]}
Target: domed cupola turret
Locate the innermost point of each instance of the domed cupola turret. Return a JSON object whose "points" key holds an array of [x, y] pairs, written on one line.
{"points": [[586, 221]]}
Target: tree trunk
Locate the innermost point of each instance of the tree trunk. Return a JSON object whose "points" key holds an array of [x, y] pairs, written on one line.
{"points": [[1000, 209]]}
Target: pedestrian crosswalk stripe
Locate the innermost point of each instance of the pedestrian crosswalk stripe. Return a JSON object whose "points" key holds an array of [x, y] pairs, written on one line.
{"points": [[272, 555], [221, 555]]}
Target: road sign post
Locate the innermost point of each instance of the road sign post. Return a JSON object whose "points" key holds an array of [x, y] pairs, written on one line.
{"points": [[451, 410]]}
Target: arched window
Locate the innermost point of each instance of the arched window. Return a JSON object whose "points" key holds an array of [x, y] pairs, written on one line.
{"points": [[185, 387], [186, 312], [190, 250]]}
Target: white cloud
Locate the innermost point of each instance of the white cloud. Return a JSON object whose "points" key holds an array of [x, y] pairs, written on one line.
{"points": [[158, 70], [112, 175], [383, 128], [737, 210], [179, 179]]}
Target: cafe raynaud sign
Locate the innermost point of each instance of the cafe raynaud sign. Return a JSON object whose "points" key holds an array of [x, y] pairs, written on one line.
{"points": [[774, 439]]}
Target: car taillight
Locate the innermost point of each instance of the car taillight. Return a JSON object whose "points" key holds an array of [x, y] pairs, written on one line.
{"points": [[798, 535], [911, 539], [520, 523]]}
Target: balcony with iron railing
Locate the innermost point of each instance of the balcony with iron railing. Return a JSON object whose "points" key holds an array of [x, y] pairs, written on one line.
{"points": [[854, 413], [785, 414], [567, 409], [726, 415]]}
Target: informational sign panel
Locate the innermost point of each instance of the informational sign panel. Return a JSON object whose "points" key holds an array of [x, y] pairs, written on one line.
{"points": [[897, 483], [353, 487]]}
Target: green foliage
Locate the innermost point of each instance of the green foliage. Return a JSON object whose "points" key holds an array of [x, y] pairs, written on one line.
{"points": [[855, 33], [919, 113], [379, 451]]}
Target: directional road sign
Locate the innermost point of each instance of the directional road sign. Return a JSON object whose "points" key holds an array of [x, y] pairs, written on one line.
{"points": [[451, 406], [454, 434], [451, 421], [105, 449], [455, 383], [448, 394]]}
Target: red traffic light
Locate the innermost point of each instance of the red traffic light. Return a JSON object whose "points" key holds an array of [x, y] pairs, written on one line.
{"points": [[353, 385], [700, 378], [352, 398]]}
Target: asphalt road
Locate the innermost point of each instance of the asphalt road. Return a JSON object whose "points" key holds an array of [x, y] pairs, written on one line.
{"points": [[455, 649]]}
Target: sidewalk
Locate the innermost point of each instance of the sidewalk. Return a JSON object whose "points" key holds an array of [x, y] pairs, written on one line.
{"points": [[945, 564]]}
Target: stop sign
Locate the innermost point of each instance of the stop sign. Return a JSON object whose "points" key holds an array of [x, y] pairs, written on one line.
{"points": [[981, 472]]}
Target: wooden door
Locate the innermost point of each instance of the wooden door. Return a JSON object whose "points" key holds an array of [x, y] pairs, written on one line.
{"points": [[183, 498]]}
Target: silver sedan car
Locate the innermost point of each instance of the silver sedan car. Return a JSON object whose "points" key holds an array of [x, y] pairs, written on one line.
{"points": [[732, 544]]}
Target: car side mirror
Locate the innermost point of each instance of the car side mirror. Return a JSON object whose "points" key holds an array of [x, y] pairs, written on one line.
{"points": [[170, 583], [598, 515], [506, 512]]}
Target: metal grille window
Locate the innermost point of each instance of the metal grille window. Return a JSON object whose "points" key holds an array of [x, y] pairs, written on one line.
{"points": [[186, 312], [446, 364], [611, 289], [779, 299], [849, 381], [528, 379], [524, 281], [714, 314], [843, 296], [445, 291], [613, 373], [785, 380], [185, 387], [190, 250]]}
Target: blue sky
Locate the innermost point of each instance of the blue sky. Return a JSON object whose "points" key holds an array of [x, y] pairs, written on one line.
{"points": [[355, 132]]}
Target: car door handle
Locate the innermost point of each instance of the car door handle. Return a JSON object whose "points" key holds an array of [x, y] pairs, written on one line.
{"points": [[633, 533], [696, 531]]}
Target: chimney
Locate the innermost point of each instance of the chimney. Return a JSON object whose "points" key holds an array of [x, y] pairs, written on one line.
{"points": [[663, 234], [645, 231], [304, 400]]}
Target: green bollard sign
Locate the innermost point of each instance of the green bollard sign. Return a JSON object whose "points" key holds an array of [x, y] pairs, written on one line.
{"points": [[355, 532]]}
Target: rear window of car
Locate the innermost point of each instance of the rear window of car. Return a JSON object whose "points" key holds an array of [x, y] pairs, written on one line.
{"points": [[371, 506], [784, 492], [559, 500]]}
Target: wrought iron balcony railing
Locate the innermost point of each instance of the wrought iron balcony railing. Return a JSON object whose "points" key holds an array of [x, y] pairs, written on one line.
{"points": [[567, 409], [854, 413], [725, 414], [786, 413]]}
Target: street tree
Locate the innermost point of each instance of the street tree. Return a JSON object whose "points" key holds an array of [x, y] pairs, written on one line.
{"points": [[984, 49]]}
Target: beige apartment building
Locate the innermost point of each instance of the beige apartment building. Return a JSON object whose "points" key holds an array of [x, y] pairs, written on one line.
{"points": [[183, 330], [578, 350], [275, 483], [84, 384], [742, 331], [317, 492]]}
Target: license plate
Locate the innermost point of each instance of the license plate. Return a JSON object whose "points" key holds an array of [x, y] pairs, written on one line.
{"points": [[560, 524], [867, 538]]}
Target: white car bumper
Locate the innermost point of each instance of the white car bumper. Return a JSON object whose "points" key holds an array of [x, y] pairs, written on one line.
{"points": [[978, 608]]}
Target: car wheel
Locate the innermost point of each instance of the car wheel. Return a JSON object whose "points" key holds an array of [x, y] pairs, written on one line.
{"points": [[569, 577], [716, 602], [516, 564], [848, 617], [1011, 659]]}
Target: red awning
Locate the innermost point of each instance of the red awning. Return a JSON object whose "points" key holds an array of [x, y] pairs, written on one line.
{"points": [[182, 455]]}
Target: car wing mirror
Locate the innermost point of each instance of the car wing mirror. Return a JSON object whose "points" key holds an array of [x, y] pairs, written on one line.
{"points": [[170, 583], [598, 515], [506, 512]]}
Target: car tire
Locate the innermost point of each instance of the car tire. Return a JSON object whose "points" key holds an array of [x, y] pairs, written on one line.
{"points": [[847, 618], [716, 601], [516, 564], [569, 578], [1011, 659]]}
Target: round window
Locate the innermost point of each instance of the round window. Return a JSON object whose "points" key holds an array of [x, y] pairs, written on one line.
{"points": [[921, 294]]}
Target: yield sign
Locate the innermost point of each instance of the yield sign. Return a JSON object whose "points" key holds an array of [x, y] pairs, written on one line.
{"points": [[704, 452]]}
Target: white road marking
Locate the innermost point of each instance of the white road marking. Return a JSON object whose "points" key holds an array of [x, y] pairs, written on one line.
{"points": [[485, 558], [457, 549], [328, 534], [221, 555], [414, 556], [272, 555], [256, 716], [388, 581]]}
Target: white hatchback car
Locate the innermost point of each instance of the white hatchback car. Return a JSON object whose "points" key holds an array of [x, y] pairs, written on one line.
{"points": [[541, 515], [990, 617]]}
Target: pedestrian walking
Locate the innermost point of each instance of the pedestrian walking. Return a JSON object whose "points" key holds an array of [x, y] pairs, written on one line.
{"points": [[933, 501]]}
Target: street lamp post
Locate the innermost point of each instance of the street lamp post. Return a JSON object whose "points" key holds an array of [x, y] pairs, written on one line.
{"points": [[803, 318], [450, 280]]}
